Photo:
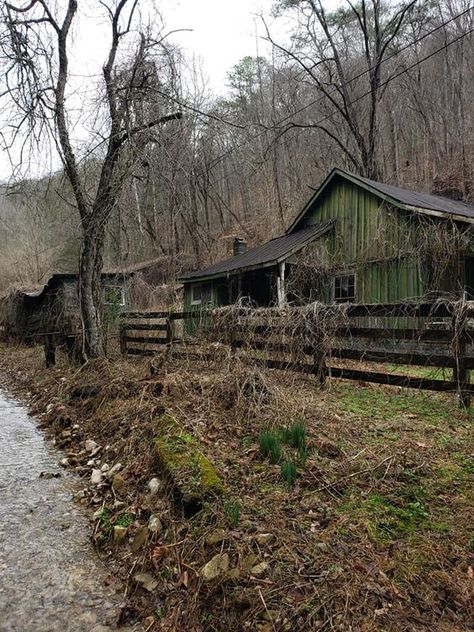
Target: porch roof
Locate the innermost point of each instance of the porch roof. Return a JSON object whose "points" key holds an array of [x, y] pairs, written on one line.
{"points": [[272, 252]]}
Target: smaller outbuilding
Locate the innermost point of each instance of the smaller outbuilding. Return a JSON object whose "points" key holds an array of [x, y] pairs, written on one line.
{"points": [[54, 306]]}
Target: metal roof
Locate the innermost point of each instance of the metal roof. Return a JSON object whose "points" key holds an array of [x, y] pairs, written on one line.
{"points": [[422, 200], [271, 252], [401, 198]]}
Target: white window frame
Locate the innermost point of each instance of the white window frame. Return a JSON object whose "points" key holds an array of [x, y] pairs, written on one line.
{"points": [[341, 276], [120, 288], [195, 301]]}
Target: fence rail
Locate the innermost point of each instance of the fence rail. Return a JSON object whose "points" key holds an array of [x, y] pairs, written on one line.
{"points": [[443, 344]]}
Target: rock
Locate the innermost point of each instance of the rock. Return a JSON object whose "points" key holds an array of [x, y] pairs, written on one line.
{"points": [[248, 561], [90, 445], [80, 494], [190, 473], [119, 534], [96, 477], [149, 622], [217, 565], [154, 485], [90, 463], [259, 569], [154, 524], [263, 539], [140, 539], [48, 475], [66, 434], [216, 536], [105, 468], [114, 470], [64, 462], [234, 573], [118, 482], [147, 581]]}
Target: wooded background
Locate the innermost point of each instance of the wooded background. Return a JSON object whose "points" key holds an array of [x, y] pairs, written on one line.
{"points": [[387, 92]]}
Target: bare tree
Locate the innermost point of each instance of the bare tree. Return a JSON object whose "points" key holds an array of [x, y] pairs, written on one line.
{"points": [[341, 55], [35, 45]]}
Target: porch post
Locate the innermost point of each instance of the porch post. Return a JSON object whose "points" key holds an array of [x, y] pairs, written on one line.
{"points": [[281, 292]]}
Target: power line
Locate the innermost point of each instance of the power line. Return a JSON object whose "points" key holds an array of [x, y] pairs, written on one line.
{"points": [[347, 83], [395, 76], [367, 70]]}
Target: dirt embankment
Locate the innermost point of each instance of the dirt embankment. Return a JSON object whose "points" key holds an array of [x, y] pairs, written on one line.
{"points": [[230, 499]]}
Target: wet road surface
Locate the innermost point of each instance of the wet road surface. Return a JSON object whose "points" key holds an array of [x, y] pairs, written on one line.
{"points": [[50, 578]]}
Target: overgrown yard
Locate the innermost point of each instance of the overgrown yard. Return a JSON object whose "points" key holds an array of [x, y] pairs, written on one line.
{"points": [[276, 505]]}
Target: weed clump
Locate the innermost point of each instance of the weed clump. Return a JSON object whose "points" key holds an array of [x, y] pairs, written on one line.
{"points": [[270, 445], [232, 512], [295, 436], [289, 473]]}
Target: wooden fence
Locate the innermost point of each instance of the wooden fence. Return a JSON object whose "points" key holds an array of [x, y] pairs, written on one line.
{"points": [[441, 337]]}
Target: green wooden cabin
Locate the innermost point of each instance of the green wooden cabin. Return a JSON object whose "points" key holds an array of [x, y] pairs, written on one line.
{"points": [[357, 241]]}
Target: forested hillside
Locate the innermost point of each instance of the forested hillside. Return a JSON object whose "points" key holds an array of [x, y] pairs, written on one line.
{"points": [[391, 99]]}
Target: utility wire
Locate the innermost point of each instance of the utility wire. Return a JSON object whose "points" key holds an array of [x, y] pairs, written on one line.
{"points": [[367, 70], [347, 83]]}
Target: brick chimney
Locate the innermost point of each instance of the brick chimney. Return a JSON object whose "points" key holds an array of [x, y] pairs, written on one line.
{"points": [[240, 246]]}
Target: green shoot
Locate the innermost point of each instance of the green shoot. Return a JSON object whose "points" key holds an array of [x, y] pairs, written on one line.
{"points": [[232, 512], [270, 445], [289, 473]]}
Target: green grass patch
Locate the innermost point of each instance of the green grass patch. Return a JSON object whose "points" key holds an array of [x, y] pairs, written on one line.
{"points": [[107, 521], [277, 444], [377, 403], [295, 435], [388, 518], [232, 512], [289, 473], [270, 446]]}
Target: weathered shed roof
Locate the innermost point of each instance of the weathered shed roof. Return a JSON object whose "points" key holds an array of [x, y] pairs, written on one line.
{"points": [[270, 253], [423, 200], [424, 203], [55, 278]]}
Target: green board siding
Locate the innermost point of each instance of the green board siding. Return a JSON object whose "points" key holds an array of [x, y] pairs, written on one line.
{"points": [[217, 288], [370, 238]]}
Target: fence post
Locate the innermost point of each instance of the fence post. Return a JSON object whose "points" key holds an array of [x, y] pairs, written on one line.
{"points": [[169, 331], [320, 369], [460, 372], [49, 350], [122, 338]]}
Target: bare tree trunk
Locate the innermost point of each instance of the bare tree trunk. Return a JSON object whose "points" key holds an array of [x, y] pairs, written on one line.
{"points": [[90, 289]]}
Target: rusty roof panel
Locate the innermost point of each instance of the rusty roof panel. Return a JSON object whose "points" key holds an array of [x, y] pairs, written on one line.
{"points": [[272, 251]]}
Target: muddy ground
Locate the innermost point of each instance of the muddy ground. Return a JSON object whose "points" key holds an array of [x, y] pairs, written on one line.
{"points": [[347, 507]]}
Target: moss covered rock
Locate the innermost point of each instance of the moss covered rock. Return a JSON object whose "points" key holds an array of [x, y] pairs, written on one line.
{"points": [[191, 473]]}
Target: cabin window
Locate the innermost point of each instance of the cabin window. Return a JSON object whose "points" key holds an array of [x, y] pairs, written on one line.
{"points": [[200, 294], [344, 288], [114, 295]]}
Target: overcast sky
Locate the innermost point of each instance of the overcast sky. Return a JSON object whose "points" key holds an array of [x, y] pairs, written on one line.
{"points": [[220, 33]]}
